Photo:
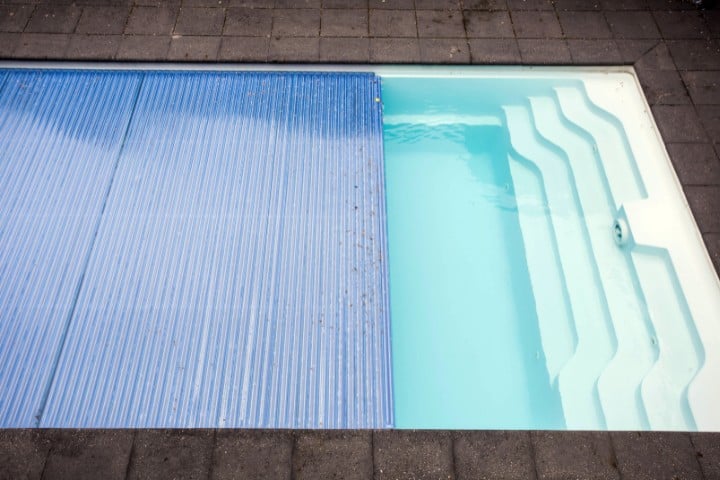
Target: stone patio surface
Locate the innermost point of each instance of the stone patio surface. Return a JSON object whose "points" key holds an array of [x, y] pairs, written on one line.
{"points": [[675, 49]]}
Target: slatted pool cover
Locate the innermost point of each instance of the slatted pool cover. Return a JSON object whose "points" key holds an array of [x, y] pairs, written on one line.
{"points": [[192, 249]]}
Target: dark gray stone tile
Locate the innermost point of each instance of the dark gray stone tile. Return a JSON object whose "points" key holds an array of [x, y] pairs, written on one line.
{"points": [[170, 454], [248, 22], [151, 20], [712, 20], [678, 123], [695, 54], [657, 58], [392, 4], [623, 4], [488, 24], [103, 20], [345, 3], [244, 49], [544, 52], [440, 24], [707, 445], [705, 204], [586, 455], [143, 47], [89, 454], [654, 455], [632, 50], [536, 25], [530, 4], [8, 44], [13, 18], [93, 47], [437, 4], [710, 118], [23, 453], [42, 46], [204, 3], [485, 4], [252, 454], [493, 454], [704, 87], [594, 52], [200, 21], [498, 51], [53, 19], [194, 49], [412, 454], [444, 50], [392, 23], [250, 3], [625, 24], [587, 25], [695, 163], [577, 5], [296, 23], [666, 5], [297, 3], [294, 49], [664, 89], [345, 50], [344, 23], [681, 24], [394, 50], [328, 454]]}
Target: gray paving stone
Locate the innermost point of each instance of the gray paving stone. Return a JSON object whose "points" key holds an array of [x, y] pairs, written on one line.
{"points": [[244, 49], [13, 18], [622, 4], [53, 19], [171, 454], [712, 20], [392, 23], [42, 46], [669, 5], [392, 4], [438, 4], [252, 454], [394, 50], [665, 89], [577, 5], [23, 453], [345, 3], [413, 454], [103, 20], [200, 21], [297, 3], [93, 47], [536, 25], [8, 44], [656, 455], [657, 58], [594, 52], [695, 54], [294, 49], [296, 23], [143, 47], [194, 49], [707, 445], [625, 24], [565, 455], [344, 23], [705, 203], [695, 163], [151, 20], [493, 454], [679, 123], [544, 52], [681, 24], [251, 3], [444, 50], [89, 454], [633, 50], [345, 50], [530, 4], [488, 24], [587, 25], [710, 118], [499, 51], [704, 87], [440, 24], [329, 454], [248, 22], [485, 4]]}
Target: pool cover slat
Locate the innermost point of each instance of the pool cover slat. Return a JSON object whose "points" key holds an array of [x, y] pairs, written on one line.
{"points": [[238, 275], [60, 137]]}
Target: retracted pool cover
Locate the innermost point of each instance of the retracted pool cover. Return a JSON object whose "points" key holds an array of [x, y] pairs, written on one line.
{"points": [[192, 250]]}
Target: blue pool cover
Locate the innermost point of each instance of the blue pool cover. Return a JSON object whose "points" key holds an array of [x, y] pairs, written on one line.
{"points": [[192, 250]]}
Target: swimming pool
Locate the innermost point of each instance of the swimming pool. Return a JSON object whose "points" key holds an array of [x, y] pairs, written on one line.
{"points": [[410, 247]]}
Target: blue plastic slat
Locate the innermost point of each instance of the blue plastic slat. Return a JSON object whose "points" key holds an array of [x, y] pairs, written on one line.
{"points": [[238, 277], [60, 137]]}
